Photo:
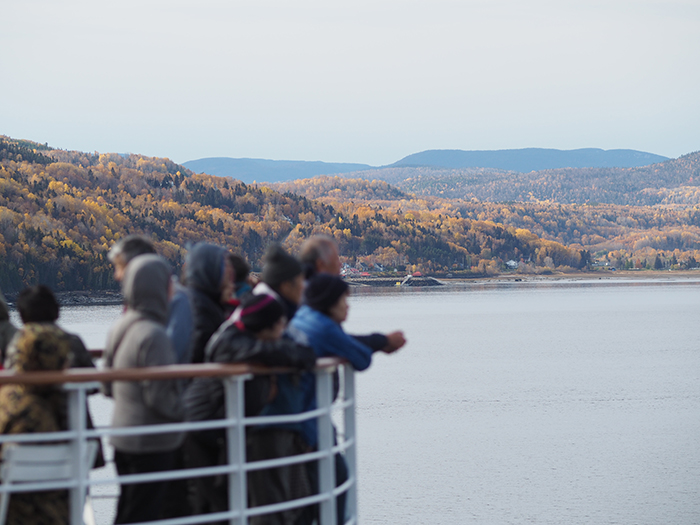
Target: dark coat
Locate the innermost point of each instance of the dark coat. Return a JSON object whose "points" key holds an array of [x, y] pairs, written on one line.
{"points": [[203, 273], [204, 398]]}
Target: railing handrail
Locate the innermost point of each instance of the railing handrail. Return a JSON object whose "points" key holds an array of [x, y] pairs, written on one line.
{"points": [[84, 375], [80, 382]]}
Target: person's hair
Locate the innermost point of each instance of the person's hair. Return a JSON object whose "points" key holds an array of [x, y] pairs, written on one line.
{"points": [[259, 312], [130, 247], [279, 266], [37, 304], [315, 248], [323, 291], [240, 267]]}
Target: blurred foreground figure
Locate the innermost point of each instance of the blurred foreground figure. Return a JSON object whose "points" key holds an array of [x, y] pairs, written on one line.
{"points": [[319, 255], [26, 409], [255, 338], [121, 253], [209, 282], [179, 327], [318, 324], [38, 304], [138, 339]]}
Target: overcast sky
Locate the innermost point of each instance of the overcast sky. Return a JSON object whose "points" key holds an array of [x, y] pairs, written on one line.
{"points": [[362, 81]]}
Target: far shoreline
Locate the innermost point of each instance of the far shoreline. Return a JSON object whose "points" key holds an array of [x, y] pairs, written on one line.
{"points": [[114, 297]]}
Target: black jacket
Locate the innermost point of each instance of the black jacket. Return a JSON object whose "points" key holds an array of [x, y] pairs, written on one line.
{"points": [[204, 398], [203, 273]]}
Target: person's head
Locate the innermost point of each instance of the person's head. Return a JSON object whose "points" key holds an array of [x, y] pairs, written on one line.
{"points": [[319, 254], [37, 304], [126, 249], [241, 268], [328, 294], [283, 273], [147, 286], [209, 270], [263, 316]]}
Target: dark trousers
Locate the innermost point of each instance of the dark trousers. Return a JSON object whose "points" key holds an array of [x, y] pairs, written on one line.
{"points": [[142, 501]]}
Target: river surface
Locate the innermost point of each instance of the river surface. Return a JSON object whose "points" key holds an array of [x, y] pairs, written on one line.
{"points": [[543, 403]]}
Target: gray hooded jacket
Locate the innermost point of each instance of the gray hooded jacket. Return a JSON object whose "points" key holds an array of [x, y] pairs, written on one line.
{"points": [[137, 340]]}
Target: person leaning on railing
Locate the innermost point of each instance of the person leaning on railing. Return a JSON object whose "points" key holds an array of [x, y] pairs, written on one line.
{"points": [[253, 336], [37, 305], [318, 324], [26, 409], [138, 339]]}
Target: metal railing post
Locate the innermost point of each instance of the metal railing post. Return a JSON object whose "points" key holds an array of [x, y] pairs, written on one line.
{"points": [[326, 465], [350, 452], [77, 421], [235, 447]]}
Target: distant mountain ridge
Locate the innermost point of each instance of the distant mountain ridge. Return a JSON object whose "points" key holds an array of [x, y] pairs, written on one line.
{"points": [[530, 159], [516, 160], [262, 170]]}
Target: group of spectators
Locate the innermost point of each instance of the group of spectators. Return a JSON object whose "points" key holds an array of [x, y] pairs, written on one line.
{"points": [[218, 312]]}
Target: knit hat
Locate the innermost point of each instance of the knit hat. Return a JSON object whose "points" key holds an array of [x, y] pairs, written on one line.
{"points": [[279, 266], [259, 312], [323, 291]]}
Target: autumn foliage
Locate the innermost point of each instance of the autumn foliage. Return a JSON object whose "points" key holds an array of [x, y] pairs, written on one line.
{"points": [[60, 211]]}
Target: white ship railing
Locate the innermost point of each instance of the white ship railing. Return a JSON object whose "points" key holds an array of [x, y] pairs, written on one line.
{"points": [[77, 382]]}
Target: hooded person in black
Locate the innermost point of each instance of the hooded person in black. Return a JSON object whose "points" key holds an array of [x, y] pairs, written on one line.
{"points": [[209, 281]]}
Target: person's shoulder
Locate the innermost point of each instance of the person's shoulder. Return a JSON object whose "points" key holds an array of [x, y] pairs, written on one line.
{"points": [[228, 340], [313, 322], [145, 330], [306, 312]]}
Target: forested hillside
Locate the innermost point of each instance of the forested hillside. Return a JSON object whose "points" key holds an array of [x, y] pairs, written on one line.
{"points": [[60, 211], [625, 236], [672, 181]]}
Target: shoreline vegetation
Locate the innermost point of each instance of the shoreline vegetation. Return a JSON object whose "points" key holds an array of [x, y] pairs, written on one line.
{"points": [[114, 298]]}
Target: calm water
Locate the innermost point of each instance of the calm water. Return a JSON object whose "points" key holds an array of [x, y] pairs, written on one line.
{"points": [[515, 403]]}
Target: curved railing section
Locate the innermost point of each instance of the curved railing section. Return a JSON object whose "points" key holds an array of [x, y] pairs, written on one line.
{"points": [[78, 382]]}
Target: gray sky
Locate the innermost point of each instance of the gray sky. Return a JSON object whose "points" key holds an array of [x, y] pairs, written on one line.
{"points": [[362, 81]]}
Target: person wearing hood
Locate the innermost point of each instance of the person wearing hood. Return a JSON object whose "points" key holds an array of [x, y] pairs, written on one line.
{"points": [[26, 409], [7, 329], [138, 339], [209, 281], [179, 327]]}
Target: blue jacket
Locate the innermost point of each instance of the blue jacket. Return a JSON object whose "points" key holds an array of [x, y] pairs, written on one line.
{"points": [[327, 338], [312, 328]]}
